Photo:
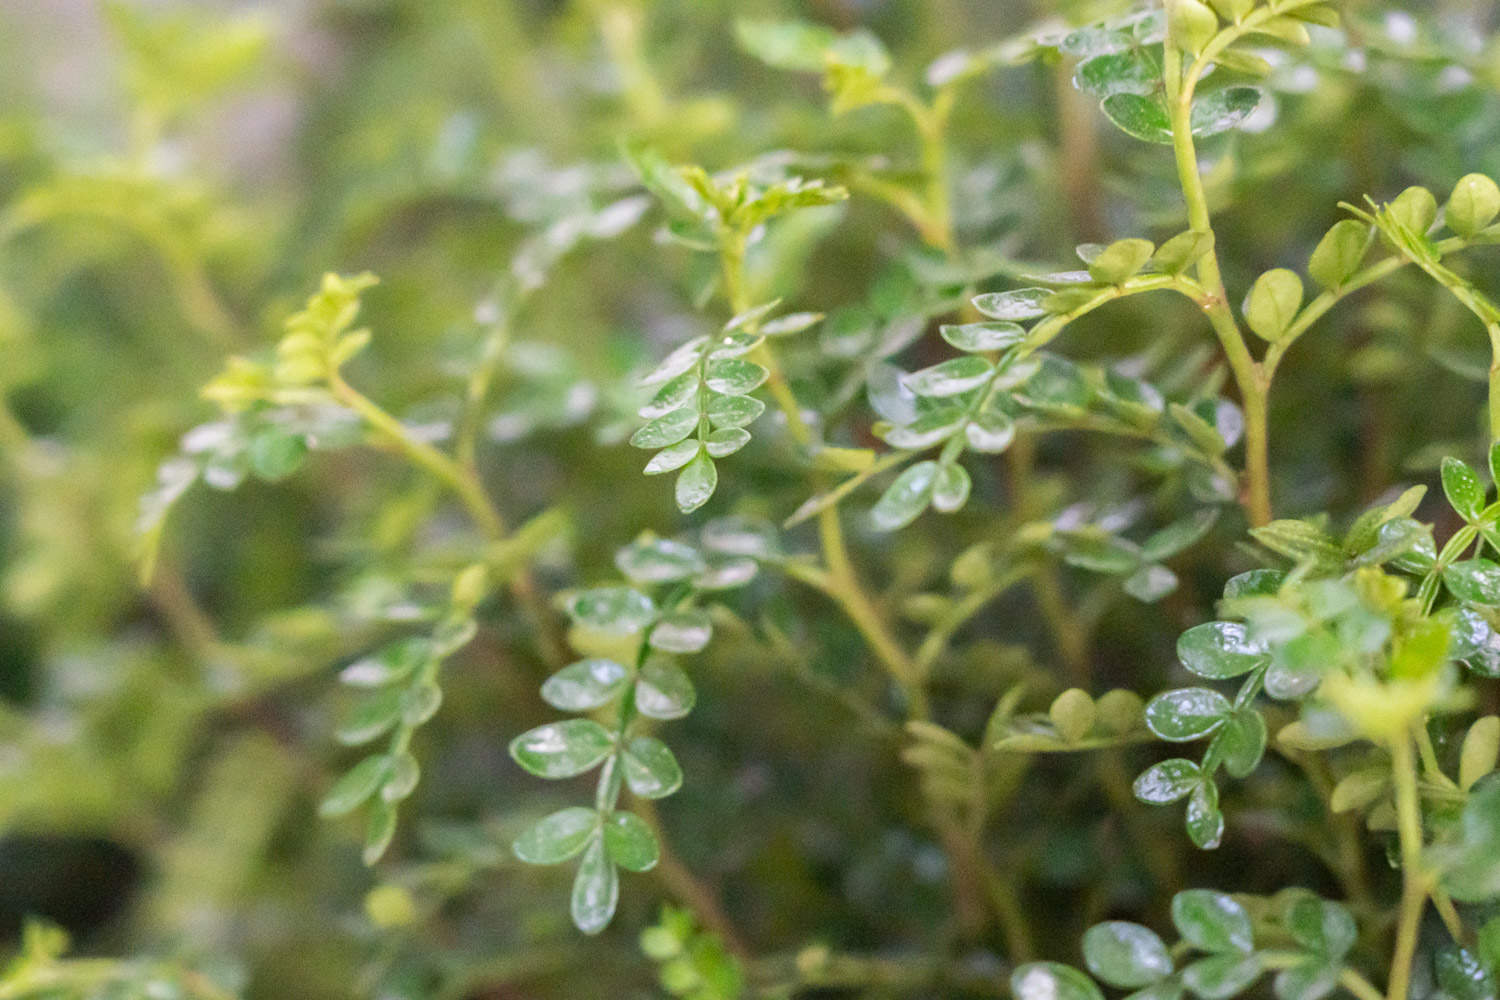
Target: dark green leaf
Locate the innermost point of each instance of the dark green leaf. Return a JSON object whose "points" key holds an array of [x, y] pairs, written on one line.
{"points": [[1212, 921], [1168, 781], [696, 483], [666, 430], [1139, 116], [1463, 489], [1323, 928], [1220, 977], [1476, 581], [1241, 742], [906, 498], [1223, 109], [630, 842], [1220, 650], [651, 770], [1186, 714]]}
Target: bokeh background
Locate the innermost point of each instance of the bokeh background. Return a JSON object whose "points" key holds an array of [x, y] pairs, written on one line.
{"points": [[175, 175]]}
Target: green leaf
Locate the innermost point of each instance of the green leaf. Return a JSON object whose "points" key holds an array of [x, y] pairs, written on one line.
{"points": [[405, 773], [276, 453], [1463, 489], [1415, 208], [373, 716], [1339, 253], [617, 610], [950, 488], [1273, 303], [630, 842], [1473, 873], [666, 430], [562, 749], [1130, 71], [906, 498], [380, 830], [990, 432], [728, 412], [1168, 781], [1052, 981], [791, 45], [722, 444], [980, 338], [1473, 205], [355, 787], [585, 685], [1323, 928], [558, 837], [1139, 116], [651, 770], [1300, 542], [1204, 821], [1476, 581], [672, 458], [1310, 980], [596, 890], [1186, 713], [1183, 251], [1120, 260], [685, 631], [1220, 977], [696, 483], [1461, 975], [649, 559], [664, 690], [1126, 955], [419, 703], [734, 376], [1179, 535], [393, 662], [927, 430], [1191, 25], [1212, 921], [950, 378], [1480, 751], [1242, 742], [1021, 304], [1223, 109], [1220, 650], [674, 394]]}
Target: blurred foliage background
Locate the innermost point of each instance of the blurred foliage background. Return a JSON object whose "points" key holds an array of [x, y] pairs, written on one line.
{"points": [[174, 178]]}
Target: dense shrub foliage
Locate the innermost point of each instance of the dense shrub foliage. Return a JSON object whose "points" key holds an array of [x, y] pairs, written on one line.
{"points": [[609, 499]]}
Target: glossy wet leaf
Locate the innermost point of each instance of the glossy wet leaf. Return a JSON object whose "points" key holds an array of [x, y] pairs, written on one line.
{"points": [[1204, 819], [734, 377], [1052, 981], [664, 690], [562, 749], [670, 397], [419, 703], [723, 443], [1126, 955], [596, 890], [1186, 713], [950, 488], [558, 837], [1476, 581], [649, 559], [950, 378], [685, 631], [651, 770], [980, 338], [1310, 980], [1463, 489], [585, 685], [630, 842], [403, 778], [672, 458], [1220, 650], [727, 412], [696, 483], [1212, 921], [1130, 71], [1167, 781], [927, 430], [618, 610], [1021, 304], [990, 432], [666, 430]]}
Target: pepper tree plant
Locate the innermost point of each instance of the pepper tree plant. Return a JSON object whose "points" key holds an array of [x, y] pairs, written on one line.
{"points": [[941, 534]]}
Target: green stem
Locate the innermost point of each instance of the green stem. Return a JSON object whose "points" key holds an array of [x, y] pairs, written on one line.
{"points": [[1254, 387], [1413, 881]]}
